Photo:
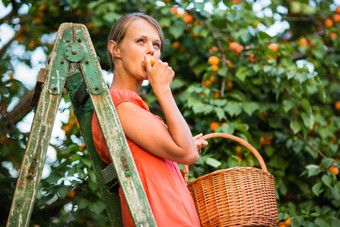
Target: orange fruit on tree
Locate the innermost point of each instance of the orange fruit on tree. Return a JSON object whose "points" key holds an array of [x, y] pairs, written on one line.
{"points": [[287, 222], [336, 17], [176, 44], [216, 95], [174, 10], [207, 83], [334, 139], [229, 63], [334, 170], [251, 57], [212, 49], [273, 46], [328, 23], [337, 105], [332, 35], [213, 79], [238, 149], [230, 85], [214, 68], [181, 14], [71, 194], [213, 60], [214, 125], [82, 147], [337, 9], [236, 47], [90, 25], [282, 224], [303, 42], [233, 45], [188, 18]]}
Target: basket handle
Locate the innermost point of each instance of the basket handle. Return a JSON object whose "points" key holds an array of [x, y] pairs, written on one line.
{"points": [[234, 138]]}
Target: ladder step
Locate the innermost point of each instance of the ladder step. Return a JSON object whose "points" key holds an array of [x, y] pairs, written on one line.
{"points": [[110, 178], [38, 87]]}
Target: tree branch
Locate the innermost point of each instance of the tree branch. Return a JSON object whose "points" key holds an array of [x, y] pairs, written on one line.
{"points": [[11, 14], [307, 143], [224, 58], [20, 110]]}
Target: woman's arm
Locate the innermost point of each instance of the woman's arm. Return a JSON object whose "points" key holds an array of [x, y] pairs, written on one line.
{"points": [[175, 142]]}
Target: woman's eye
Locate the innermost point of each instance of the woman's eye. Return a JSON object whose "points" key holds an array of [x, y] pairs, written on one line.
{"points": [[156, 45], [140, 41]]}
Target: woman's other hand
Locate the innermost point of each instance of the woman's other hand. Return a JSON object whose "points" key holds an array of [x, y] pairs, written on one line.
{"points": [[200, 143]]}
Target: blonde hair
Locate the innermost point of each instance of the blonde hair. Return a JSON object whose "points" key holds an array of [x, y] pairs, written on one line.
{"points": [[119, 29]]}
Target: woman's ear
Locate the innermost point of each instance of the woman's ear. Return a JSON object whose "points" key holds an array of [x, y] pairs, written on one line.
{"points": [[114, 50]]}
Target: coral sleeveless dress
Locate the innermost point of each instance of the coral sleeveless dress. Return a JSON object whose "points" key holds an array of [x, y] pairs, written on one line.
{"points": [[168, 195]]}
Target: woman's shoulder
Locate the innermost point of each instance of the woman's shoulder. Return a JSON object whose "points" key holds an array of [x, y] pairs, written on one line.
{"points": [[123, 95]]}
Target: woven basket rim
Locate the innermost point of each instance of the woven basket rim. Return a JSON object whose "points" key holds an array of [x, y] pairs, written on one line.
{"points": [[231, 169]]}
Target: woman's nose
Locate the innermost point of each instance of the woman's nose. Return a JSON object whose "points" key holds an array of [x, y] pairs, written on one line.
{"points": [[150, 49]]}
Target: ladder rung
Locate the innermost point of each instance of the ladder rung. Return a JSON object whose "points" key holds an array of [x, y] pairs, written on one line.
{"points": [[110, 178], [38, 87]]}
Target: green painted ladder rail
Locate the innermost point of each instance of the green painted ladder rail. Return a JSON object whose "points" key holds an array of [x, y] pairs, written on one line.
{"points": [[74, 64]]}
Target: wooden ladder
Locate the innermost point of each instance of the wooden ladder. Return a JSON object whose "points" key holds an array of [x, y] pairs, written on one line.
{"points": [[74, 64]]}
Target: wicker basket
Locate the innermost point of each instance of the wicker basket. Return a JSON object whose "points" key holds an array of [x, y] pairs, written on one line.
{"points": [[240, 196]]}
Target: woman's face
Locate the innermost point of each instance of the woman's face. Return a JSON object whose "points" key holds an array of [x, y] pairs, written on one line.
{"points": [[141, 38]]}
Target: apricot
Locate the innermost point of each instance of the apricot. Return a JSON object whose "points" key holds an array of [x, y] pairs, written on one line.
{"points": [[334, 170], [214, 126], [213, 60]]}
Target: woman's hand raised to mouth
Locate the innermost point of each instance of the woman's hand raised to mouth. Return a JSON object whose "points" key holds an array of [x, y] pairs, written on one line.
{"points": [[160, 75]]}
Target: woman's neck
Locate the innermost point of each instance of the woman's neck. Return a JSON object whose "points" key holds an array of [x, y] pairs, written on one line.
{"points": [[125, 82]]}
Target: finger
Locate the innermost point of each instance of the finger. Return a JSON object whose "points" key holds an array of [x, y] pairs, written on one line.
{"points": [[198, 136], [147, 63]]}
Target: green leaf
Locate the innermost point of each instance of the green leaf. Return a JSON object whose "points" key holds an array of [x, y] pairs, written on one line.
{"points": [[213, 162], [313, 170], [335, 221], [242, 73], [317, 188], [327, 180], [336, 191], [220, 113], [264, 35], [87, 162], [111, 17], [233, 108], [250, 107], [177, 29], [226, 128], [308, 120], [223, 71], [296, 221], [323, 221], [97, 207], [242, 127], [295, 126], [291, 74], [326, 162], [306, 105], [165, 21], [287, 105], [177, 83]]}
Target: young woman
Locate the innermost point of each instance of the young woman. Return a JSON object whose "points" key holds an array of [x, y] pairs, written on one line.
{"points": [[155, 146]]}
